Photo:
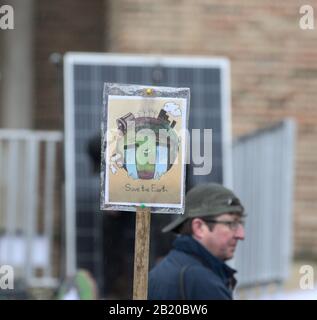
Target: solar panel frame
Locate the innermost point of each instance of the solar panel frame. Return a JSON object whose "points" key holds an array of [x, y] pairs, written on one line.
{"points": [[84, 75]]}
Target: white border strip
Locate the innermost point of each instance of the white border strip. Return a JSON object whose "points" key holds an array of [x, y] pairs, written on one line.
{"points": [[145, 60], [70, 177], [227, 171], [22, 134]]}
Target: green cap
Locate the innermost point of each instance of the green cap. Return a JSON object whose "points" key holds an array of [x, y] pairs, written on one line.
{"points": [[204, 200]]}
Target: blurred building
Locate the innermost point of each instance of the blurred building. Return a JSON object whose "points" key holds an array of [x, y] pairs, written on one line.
{"points": [[273, 65]]}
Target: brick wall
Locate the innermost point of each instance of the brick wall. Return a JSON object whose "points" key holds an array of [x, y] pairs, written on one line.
{"points": [[61, 26], [274, 70]]}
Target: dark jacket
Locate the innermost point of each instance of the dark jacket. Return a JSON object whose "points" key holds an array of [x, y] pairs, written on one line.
{"points": [[190, 272]]}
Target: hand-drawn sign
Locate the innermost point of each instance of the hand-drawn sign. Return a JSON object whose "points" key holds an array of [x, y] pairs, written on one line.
{"points": [[143, 158]]}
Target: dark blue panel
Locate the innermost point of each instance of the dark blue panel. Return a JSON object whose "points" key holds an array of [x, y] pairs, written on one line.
{"points": [[95, 251]]}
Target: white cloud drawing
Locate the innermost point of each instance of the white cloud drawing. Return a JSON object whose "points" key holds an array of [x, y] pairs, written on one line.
{"points": [[173, 109]]}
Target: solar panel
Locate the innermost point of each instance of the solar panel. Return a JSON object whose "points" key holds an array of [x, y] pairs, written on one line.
{"points": [[84, 77]]}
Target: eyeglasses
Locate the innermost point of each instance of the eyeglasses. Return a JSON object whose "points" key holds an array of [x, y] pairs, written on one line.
{"points": [[233, 225]]}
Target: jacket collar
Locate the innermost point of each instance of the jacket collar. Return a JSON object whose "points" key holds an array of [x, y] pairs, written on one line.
{"points": [[189, 245]]}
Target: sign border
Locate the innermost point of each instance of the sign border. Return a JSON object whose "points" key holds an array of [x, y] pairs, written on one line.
{"points": [[126, 90]]}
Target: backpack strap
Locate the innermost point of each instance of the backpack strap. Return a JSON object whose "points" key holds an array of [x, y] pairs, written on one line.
{"points": [[182, 283]]}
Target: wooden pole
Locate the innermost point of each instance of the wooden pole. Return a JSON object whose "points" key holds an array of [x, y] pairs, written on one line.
{"points": [[141, 253]]}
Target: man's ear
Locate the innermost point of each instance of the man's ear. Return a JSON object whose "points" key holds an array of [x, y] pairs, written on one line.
{"points": [[198, 227]]}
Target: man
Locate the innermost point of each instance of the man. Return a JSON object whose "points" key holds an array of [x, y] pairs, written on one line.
{"points": [[209, 231]]}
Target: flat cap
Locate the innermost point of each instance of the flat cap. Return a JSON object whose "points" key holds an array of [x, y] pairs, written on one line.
{"points": [[204, 200]]}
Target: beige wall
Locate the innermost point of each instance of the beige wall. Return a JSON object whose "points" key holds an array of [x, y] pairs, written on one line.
{"points": [[274, 64], [274, 69], [61, 26]]}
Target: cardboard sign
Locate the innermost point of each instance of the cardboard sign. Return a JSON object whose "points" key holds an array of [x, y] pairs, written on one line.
{"points": [[144, 148]]}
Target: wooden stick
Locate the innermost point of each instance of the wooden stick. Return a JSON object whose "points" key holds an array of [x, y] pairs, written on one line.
{"points": [[141, 253]]}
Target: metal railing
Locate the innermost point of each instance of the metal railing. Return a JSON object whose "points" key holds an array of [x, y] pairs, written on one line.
{"points": [[263, 178], [28, 203]]}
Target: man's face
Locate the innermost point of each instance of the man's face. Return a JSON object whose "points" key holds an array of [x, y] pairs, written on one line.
{"points": [[221, 239]]}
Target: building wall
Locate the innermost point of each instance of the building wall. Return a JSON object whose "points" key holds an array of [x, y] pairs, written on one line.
{"points": [[61, 26], [16, 67], [274, 73]]}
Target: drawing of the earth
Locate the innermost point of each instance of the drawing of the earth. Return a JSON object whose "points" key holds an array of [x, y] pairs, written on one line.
{"points": [[147, 156]]}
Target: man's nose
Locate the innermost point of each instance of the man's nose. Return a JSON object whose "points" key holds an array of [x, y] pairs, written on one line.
{"points": [[240, 233]]}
